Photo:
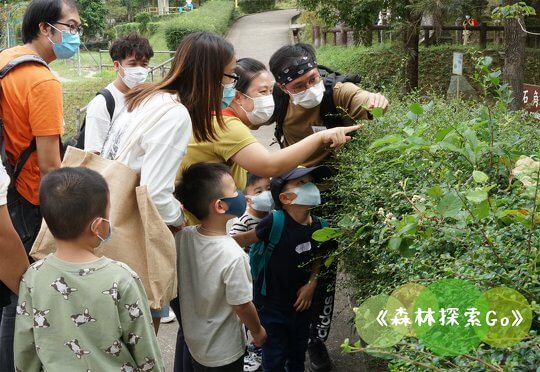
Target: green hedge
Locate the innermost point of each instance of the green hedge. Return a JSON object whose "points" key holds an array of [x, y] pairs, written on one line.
{"points": [[254, 6], [125, 29], [380, 66], [213, 16], [428, 192]]}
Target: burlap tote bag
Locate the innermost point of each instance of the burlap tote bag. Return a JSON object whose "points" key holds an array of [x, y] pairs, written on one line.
{"points": [[139, 238]]}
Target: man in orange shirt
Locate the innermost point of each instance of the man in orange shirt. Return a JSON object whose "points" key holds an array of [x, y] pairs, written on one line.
{"points": [[31, 109]]}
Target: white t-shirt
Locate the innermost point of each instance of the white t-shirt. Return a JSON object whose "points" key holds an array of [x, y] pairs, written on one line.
{"points": [[98, 120], [157, 153], [4, 184], [213, 275]]}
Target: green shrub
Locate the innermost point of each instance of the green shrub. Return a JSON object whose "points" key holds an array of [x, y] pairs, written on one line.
{"points": [[153, 27], [381, 66], [143, 18], [213, 16], [254, 6], [125, 29], [430, 192]]}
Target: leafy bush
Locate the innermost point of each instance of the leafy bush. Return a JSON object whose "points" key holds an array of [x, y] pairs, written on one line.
{"points": [[433, 191], [143, 19], [213, 16], [125, 29], [254, 6], [381, 66]]}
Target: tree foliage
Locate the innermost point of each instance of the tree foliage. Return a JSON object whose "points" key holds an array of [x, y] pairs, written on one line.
{"points": [[93, 14]]}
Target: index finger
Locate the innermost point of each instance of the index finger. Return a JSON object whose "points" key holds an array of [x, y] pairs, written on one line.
{"points": [[352, 128]]}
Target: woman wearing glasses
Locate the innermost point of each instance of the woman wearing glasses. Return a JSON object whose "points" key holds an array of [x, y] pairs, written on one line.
{"points": [[181, 104], [248, 103]]}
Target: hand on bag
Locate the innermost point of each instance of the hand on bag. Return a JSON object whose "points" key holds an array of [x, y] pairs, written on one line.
{"points": [[259, 337], [337, 137], [305, 296]]}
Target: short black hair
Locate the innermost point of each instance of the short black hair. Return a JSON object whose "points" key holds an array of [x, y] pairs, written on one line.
{"points": [[252, 178], [48, 11], [247, 69], [70, 198], [201, 184], [132, 44], [287, 55]]}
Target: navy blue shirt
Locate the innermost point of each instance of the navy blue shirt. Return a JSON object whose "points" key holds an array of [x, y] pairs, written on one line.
{"points": [[290, 265]]}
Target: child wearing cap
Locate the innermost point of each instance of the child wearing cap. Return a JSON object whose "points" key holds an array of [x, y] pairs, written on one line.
{"points": [[291, 273]]}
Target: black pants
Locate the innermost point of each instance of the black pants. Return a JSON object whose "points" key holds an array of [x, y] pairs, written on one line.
{"points": [[26, 219]]}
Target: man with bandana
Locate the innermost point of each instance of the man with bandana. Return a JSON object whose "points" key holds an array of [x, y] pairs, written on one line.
{"points": [[32, 114], [303, 107]]}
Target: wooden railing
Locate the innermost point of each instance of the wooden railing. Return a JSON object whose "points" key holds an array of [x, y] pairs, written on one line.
{"points": [[343, 35]]}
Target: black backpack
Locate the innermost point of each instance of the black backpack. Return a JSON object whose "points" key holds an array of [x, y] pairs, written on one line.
{"points": [[78, 139], [14, 170], [329, 112]]}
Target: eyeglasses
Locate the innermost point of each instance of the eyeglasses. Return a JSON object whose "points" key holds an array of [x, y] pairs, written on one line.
{"points": [[234, 77], [300, 87], [73, 29]]}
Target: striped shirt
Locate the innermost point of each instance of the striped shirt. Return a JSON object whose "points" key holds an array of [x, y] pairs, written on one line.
{"points": [[244, 223]]}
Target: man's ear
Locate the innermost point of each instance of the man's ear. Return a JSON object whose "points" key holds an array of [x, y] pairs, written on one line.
{"points": [[282, 87], [45, 29], [116, 65]]}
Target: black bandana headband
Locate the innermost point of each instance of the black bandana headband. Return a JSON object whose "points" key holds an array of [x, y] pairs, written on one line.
{"points": [[299, 68]]}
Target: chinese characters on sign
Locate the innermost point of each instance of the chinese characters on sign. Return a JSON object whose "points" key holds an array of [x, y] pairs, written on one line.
{"points": [[530, 99]]}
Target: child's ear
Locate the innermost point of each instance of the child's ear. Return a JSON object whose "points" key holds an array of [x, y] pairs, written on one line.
{"points": [[286, 198], [218, 207], [248, 200]]}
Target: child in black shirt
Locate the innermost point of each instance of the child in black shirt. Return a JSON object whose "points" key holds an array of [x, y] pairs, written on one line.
{"points": [[291, 274]]}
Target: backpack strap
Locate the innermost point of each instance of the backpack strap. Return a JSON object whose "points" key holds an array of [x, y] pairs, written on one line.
{"points": [[278, 222], [109, 101], [25, 154], [20, 60]]}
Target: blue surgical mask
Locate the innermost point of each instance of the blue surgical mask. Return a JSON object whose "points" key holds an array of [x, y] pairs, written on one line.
{"points": [[263, 202], [108, 237], [237, 204], [69, 45], [307, 194], [228, 94]]}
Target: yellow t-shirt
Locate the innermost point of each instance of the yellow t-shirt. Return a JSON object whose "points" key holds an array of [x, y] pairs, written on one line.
{"points": [[300, 122], [234, 138]]}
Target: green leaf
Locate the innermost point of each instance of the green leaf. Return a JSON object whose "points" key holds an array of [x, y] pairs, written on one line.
{"points": [[377, 112], [480, 177], [435, 192], [480, 210], [394, 243], [442, 133], [476, 196], [449, 206], [326, 233], [412, 116], [416, 109], [405, 250], [329, 261], [391, 138]]}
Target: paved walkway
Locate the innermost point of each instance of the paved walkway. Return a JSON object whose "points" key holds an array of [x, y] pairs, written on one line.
{"points": [[259, 36]]}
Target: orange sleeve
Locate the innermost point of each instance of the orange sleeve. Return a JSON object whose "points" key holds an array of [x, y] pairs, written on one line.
{"points": [[45, 108]]}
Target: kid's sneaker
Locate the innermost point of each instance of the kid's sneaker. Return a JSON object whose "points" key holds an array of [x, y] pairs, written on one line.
{"points": [[251, 362]]}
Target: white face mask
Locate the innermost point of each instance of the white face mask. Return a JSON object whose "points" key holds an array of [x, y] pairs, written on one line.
{"points": [[134, 76], [309, 98], [263, 108]]}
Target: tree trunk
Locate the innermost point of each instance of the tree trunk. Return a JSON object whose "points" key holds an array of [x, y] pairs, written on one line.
{"points": [[411, 40], [514, 58]]}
